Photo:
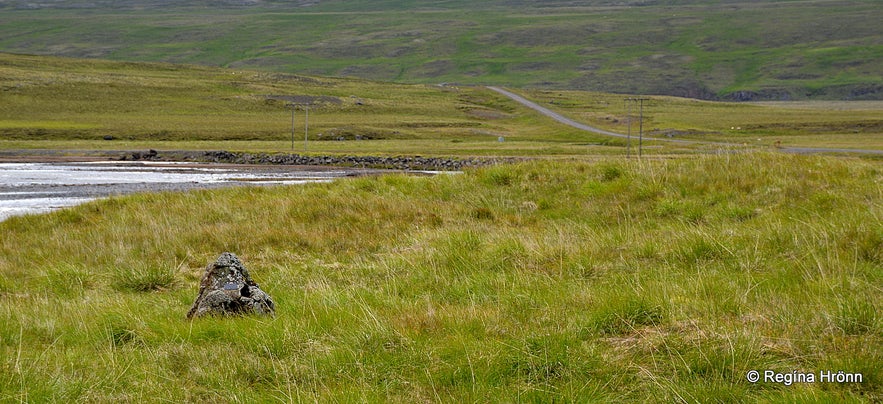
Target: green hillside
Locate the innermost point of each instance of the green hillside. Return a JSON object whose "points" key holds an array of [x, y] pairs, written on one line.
{"points": [[741, 50]]}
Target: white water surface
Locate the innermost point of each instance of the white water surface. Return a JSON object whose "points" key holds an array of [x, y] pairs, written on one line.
{"points": [[27, 188]]}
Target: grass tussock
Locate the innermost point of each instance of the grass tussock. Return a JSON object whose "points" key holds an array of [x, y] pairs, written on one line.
{"points": [[612, 281]]}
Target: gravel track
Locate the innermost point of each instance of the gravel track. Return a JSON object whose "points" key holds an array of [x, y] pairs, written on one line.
{"points": [[570, 122]]}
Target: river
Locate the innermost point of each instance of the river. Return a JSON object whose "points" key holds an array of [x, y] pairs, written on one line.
{"points": [[27, 188]]}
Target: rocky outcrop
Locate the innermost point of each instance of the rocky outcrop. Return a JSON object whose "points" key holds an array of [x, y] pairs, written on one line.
{"points": [[227, 288], [762, 95], [400, 163], [396, 163]]}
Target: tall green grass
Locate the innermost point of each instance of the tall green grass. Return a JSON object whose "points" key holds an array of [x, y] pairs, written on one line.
{"points": [[660, 281]]}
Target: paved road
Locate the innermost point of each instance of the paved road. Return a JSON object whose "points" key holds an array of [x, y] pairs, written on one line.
{"points": [[554, 115], [570, 122]]}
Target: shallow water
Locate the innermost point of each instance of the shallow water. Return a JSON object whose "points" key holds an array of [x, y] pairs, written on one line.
{"points": [[42, 187]]}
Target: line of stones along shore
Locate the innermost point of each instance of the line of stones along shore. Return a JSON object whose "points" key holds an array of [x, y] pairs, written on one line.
{"points": [[397, 163]]}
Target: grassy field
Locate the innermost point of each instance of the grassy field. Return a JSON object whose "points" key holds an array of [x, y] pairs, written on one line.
{"points": [[653, 281], [827, 49], [49, 101], [837, 124], [72, 104]]}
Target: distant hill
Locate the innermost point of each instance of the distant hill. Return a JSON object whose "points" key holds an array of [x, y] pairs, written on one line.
{"points": [[735, 50]]}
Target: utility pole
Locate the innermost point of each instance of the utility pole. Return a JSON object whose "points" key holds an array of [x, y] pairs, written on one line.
{"points": [[292, 127], [628, 119], [641, 129], [306, 126], [640, 123]]}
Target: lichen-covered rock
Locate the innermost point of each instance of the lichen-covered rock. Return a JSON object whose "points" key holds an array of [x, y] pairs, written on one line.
{"points": [[227, 288]]}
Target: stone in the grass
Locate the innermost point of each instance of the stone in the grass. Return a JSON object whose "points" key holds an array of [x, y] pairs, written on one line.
{"points": [[227, 288]]}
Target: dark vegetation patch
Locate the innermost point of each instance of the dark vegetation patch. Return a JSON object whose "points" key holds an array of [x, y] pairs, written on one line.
{"points": [[435, 68], [370, 71], [538, 36], [673, 133], [427, 124], [357, 133], [305, 99], [285, 77], [866, 126]]}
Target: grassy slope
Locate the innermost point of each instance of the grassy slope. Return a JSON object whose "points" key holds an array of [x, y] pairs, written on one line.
{"points": [[822, 49], [77, 102], [74, 103], [617, 281]]}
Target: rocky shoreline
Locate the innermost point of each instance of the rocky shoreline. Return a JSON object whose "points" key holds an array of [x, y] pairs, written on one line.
{"points": [[409, 163]]}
